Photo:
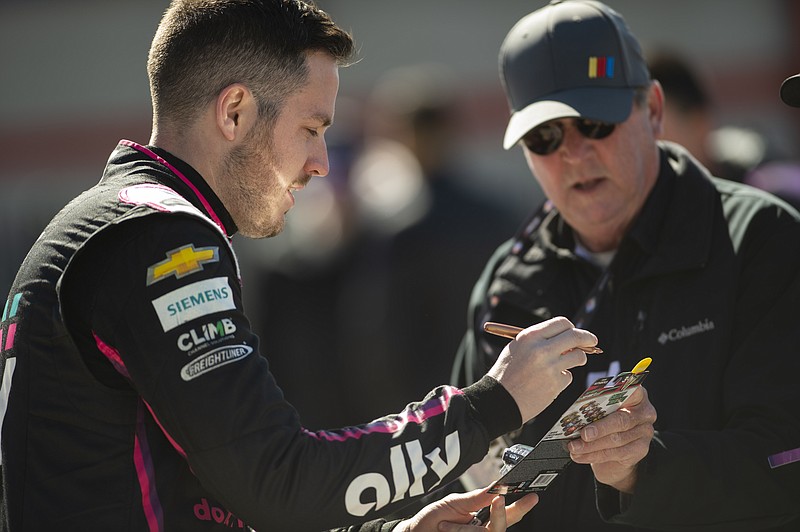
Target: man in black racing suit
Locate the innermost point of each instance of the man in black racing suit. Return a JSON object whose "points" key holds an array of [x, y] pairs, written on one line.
{"points": [[134, 393]]}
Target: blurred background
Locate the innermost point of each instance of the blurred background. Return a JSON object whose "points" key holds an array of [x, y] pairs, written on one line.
{"points": [[360, 302]]}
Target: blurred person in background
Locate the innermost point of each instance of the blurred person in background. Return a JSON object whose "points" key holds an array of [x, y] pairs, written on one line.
{"points": [[425, 235], [688, 113], [639, 242], [727, 151], [134, 393]]}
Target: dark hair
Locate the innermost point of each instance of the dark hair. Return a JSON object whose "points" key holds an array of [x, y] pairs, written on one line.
{"points": [[681, 85], [202, 46]]}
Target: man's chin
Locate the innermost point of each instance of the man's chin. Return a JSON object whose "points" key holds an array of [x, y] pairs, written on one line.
{"points": [[262, 232]]}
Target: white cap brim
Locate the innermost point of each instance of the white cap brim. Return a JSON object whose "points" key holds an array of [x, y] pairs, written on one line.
{"points": [[605, 104]]}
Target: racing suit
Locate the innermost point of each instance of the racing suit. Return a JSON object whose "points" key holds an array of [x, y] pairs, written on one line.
{"points": [[136, 397], [706, 282]]}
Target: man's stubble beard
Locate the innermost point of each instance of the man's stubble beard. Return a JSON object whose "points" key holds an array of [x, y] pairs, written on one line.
{"points": [[251, 187]]}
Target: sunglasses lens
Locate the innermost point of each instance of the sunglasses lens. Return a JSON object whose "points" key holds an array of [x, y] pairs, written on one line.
{"points": [[593, 129], [544, 139]]}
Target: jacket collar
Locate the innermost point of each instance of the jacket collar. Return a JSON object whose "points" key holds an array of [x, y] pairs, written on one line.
{"points": [[169, 170]]}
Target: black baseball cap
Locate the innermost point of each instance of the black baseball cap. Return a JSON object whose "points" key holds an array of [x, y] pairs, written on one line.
{"points": [[570, 59], [790, 91]]}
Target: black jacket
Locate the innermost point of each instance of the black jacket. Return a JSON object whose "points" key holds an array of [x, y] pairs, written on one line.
{"points": [[138, 399], [707, 283]]}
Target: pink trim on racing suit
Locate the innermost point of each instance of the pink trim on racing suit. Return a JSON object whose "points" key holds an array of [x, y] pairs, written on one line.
{"points": [[418, 415], [141, 451], [182, 177], [151, 504], [112, 355]]}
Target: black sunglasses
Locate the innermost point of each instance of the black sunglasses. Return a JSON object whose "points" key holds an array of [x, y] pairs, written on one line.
{"points": [[545, 139]]}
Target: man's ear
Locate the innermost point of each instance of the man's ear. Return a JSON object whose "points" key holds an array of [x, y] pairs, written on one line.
{"points": [[235, 111], [655, 104]]}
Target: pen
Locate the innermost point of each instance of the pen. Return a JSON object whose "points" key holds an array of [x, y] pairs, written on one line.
{"points": [[509, 331]]}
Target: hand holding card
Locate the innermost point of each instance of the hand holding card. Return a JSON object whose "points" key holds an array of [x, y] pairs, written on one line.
{"points": [[532, 469], [615, 445]]}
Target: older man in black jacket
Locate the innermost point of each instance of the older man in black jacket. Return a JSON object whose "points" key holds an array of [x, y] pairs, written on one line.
{"points": [[639, 242]]}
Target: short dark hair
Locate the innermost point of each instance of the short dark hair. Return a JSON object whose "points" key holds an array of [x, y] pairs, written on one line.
{"points": [[682, 86], [202, 46]]}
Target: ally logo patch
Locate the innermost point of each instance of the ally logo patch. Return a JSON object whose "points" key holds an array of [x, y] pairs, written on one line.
{"points": [[181, 262], [193, 301]]}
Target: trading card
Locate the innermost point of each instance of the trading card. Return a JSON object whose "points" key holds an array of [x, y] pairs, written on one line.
{"points": [[532, 469]]}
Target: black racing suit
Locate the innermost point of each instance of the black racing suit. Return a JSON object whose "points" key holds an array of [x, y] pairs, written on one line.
{"points": [[138, 398], [707, 283]]}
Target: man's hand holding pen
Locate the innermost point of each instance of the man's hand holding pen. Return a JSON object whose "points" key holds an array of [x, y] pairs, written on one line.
{"points": [[534, 368]]}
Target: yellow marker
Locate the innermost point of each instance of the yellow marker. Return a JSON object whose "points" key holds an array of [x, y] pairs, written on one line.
{"points": [[642, 365]]}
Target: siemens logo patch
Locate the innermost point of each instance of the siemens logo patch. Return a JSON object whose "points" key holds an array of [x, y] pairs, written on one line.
{"points": [[193, 301], [214, 359]]}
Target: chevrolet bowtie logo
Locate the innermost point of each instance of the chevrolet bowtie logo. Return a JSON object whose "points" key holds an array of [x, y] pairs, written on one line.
{"points": [[182, 262]]}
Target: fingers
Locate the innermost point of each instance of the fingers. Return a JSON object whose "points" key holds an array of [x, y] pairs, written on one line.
{"points": [[517, 510], [572, 358], [565, 344], [561, 334], [497, 517], [622, 436], [623, 447], [558, 339], [501, 516], [552, 327], [534, 367], [638, 395], [466, 502], [636, 410]]}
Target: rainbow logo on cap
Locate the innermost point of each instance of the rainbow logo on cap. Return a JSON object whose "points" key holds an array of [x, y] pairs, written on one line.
{"points": [[601, 66]]}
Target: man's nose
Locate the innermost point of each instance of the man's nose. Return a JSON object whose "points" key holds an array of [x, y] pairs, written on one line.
{"points": [[574, 145], [317, 163]]}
